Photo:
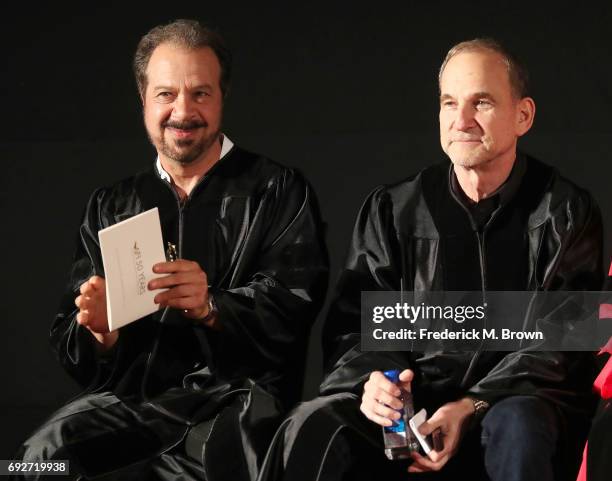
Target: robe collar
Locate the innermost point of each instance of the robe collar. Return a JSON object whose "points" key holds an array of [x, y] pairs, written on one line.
{"points": [[480, 212], [226, 146]]}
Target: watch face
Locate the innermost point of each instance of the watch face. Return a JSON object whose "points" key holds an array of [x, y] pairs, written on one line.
{"points": [[480, 406], [212, 303]]}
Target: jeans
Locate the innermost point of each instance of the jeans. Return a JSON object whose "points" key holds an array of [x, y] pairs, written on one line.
{"points": [[520, 438]]}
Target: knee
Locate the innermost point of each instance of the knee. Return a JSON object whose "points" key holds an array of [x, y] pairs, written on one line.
{"points": [[313, 422], [293, 425], [521, 423], [45, 444]]}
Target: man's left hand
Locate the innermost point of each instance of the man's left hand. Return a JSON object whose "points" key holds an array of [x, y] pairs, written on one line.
{"points": [[451, 419], [187, 286]]}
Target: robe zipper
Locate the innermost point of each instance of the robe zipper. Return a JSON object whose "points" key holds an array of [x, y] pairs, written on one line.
{"points": [[480, 236], [483, 280], [153, 352]]}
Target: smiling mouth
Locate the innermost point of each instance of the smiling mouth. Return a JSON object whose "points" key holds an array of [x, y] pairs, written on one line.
{"points": [[182, 133]]}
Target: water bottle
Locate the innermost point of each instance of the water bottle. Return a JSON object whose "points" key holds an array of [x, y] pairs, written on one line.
{"points": [[399, 439]]}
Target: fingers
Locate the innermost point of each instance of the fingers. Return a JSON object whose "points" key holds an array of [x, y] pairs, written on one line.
{"points": [[436, 456], [97, 283], [199, 294], [378, 396], [186, 284], [184, 277], [379, 389], [185, 303], [442, 419], [406, 377], [380, 400], [415, 468], [92, 292], [82, 317], [422, 464], [439, 419], [92, 304], [378, 380], [83, 301], [94, 283], [380, 408], [428, 427], [374, 417], [86, 288], [179, 265]]}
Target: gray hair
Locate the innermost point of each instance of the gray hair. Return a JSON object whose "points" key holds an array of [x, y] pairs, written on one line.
{"points": [[517, 72]]}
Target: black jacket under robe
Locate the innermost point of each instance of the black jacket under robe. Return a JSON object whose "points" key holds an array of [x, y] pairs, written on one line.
{"points": [[254, 228]]}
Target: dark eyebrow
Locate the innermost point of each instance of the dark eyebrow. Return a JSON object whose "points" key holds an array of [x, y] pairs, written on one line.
{"points": [[483, 95], [476, 95], [197, 87]]}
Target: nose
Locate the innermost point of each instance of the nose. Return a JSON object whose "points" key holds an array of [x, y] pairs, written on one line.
{"points": [[465, 119], [183, 108]]}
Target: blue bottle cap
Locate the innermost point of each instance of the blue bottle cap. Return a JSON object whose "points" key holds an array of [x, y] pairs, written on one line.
{"points": [[392, 375]]}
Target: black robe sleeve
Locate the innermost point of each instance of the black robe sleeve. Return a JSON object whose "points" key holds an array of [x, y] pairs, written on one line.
{"points": [[564, 378], [373, 264], [73, 343], [265, 315]]}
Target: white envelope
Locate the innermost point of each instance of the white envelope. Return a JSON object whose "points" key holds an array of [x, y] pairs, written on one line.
{"points": [[129, 250]]}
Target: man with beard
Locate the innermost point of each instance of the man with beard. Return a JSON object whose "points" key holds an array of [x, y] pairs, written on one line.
{"points": [[492, 219], [195, 390]]}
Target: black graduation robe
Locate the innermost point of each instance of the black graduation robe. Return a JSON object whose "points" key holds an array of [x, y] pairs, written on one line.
{"points": [[545, 235], [254, 228]]}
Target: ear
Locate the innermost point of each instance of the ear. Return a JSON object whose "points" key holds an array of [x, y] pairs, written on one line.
{"points": [[525, 114]]}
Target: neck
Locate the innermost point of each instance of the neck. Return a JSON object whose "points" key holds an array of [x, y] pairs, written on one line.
{"points": [[186, 176], [480, 182]]}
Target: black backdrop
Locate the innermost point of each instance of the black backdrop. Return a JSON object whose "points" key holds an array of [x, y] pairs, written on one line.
{"points": [[346, 94]]}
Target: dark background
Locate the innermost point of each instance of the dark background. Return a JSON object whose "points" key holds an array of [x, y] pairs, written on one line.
{"points": [[346, 94]]}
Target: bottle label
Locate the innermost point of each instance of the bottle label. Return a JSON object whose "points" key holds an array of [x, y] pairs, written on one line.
{"points": [[399, 426]]}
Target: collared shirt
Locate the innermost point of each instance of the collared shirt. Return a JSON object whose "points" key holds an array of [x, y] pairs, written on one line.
{"points": [[482, 211], [226, 146]]}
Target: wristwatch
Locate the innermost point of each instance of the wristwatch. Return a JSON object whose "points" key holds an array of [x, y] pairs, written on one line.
{"points": [[480, 407], [212, 310]]}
